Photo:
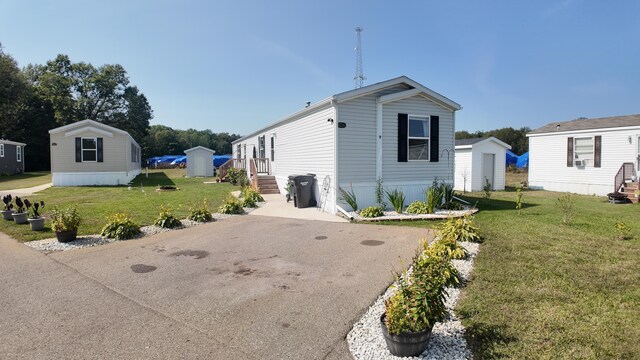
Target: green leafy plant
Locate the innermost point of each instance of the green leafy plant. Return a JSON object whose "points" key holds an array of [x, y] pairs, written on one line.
{"points": [[7, 202], [120, 226], [448, 247], [447, 192], [231, 205], [623, 231], [418, 207], [379, 193], [460, 229], [238, 176], [65, 219], [432, 199], [567, 205], [418, 299], [349, 197], [372, 211], [249, 203], [396, 198], [519, 195], [166, 220], [486, 188], [451, 205], [251, 193], [200, 213]]}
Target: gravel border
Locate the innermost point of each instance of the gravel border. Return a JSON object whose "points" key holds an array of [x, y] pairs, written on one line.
{"points": [[447, 338], [394, 216]]}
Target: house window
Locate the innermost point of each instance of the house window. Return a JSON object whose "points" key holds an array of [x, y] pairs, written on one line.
{"points": [[261, 149], [89, 150], [418, 137], [583, 151], [239, 151], [273, 148], [19, 153], [1, 150]]}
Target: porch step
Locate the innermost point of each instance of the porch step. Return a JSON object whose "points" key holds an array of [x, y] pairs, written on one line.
{"points": [[268, 184], [629, 189]]}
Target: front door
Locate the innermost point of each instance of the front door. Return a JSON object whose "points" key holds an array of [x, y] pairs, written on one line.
{"points": [[488, 162]]}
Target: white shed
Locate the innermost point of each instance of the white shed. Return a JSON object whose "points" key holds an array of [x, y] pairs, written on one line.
{"points": [[199, 161], [396, 131], [585, 156], [479, 160]]}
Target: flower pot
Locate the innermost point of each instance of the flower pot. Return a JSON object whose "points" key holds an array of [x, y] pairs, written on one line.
{"points": [[20, 218], [409, 344], [6, 214], [37, 224], [66, 236]]}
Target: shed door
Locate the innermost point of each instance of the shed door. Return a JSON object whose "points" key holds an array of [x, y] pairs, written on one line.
{"points": [[488, 167], [200, 166]]}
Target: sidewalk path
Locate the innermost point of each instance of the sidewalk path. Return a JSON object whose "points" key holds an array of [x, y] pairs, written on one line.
{"points": [[26, 191]]}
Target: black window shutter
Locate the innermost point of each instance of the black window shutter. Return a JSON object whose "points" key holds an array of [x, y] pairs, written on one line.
{"points": [[434, 134], [597, 151], [570, 152], [403, 132], [99, 147], [78, 149]]}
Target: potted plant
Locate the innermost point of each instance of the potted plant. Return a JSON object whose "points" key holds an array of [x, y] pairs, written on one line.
{"points": [[8, 207], [417, 303], [20, 215], [36, 221], [65, 223]]}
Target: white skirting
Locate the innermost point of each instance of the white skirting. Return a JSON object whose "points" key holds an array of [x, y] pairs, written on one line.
{"points": [[93, 178]]}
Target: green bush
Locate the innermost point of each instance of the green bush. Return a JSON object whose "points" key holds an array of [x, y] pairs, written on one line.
{"points": [[238, 176], [396, 198], [449, 248], [451, 205], [432, 199], [200, 213], [460, 229], [232, 205], [250, 193], [567, 205], [166, 220], [349, 197], [418, 207], [120, 227], [66, 219], [249, 203], [372, 211]]}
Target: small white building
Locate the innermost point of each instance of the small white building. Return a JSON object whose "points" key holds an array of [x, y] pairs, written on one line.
{"points": [[396, 131], [479, 160], [91, 153], [585, 156], [199, 161]]}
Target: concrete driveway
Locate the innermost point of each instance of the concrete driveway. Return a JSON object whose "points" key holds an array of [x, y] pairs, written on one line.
{"points": [[241, 288]]}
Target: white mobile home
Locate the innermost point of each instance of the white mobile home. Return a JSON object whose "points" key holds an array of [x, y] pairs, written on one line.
{"points": [[199, 161], [585, 156], [91, 153], [479, 160], [396, 131]]}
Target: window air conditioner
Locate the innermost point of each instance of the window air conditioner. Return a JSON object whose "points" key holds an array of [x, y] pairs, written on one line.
{"points": [[580, 162]]}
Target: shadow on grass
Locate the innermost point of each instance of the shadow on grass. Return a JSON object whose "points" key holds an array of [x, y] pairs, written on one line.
{"points": [[483, 339], [493, 204], [155, 179]]}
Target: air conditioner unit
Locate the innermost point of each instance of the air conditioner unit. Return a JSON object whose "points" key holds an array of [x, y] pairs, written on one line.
{"points": [[580, 163]]}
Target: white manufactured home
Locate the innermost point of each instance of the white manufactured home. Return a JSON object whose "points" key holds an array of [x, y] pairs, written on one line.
{"points": [[397, 131], [91, 153], [585, 156], [480, 160]]}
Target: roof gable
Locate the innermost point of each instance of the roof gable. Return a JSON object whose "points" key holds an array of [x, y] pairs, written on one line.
{"points": [[90, 125], [199, 148], [9, 142], [469, 143], [588, 124]]}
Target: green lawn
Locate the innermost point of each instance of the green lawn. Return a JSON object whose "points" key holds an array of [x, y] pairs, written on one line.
{"points": [[542, 289], [25, 180], [142, 202]]}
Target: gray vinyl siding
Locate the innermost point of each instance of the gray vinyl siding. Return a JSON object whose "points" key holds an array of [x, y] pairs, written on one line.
{"points": [[9, 164]]}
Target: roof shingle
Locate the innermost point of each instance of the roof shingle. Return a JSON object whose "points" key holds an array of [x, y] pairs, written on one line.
{"points": [[589, 124]]}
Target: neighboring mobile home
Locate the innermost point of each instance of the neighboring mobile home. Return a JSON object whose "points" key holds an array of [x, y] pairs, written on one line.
{"points": [[585, 156], [395, 131], [199, 161], [11, 157], [91, 153], [479, 160]]}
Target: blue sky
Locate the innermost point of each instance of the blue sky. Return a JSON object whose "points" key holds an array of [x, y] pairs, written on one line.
{"points": [[235, 66]]}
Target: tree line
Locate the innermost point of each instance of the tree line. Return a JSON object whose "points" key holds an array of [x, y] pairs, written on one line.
{"points": [[517, 138], [40, 97]]}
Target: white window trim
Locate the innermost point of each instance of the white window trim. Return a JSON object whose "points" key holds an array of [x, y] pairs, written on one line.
{"points": [[18, 153], [1, 150], [593, 150], [428, 138], [272, 143], [82, 149]]}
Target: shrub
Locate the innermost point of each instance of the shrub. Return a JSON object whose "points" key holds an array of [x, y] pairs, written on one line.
{"points": [[349, 197], [166, 220], [201, 213], [251, 193], [66, 219], [418, 207], [249, 203], [432, 199], [567, 205], [231, 205], [451, 205], [486, 188], [120, 227], [396, 198], [519, 196], [238, 176], [379, 193], [447, 192], [372, 211], [449, 248], [460, 229]]}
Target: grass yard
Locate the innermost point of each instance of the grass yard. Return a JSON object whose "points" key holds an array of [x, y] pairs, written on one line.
{"points": [[542, 289], [142, 202], [514, 179], [26, 180]]}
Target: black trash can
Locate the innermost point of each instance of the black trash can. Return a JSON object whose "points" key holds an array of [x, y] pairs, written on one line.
{"points": [[303, 190]]}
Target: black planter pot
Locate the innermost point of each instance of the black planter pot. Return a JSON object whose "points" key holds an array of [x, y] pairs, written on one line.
{"points": [[410, 344], [6, 214], [66, 236]]}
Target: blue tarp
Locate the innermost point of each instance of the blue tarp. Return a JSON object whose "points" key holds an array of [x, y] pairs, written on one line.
{"points": [[523, 161], [218, 160], [179, 160], [153, 160], [512, 158]]}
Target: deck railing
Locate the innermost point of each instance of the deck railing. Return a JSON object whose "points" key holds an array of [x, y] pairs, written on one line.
{"points": [[254, 174], [262, 165], [626, 171], [231, 163]]}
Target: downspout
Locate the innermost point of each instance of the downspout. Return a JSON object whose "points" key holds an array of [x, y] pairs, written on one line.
{"points": [[378, 140], [335, 153], [344, 212]]}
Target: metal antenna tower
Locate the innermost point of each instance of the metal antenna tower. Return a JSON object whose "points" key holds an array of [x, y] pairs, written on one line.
{"points": [[359, 78]]}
